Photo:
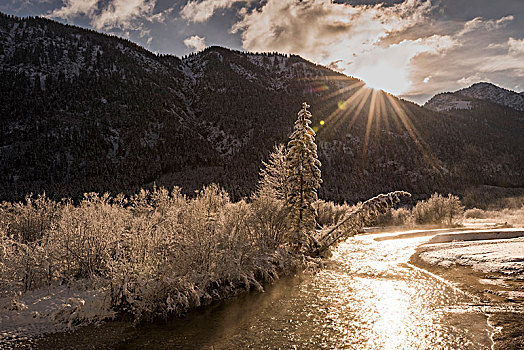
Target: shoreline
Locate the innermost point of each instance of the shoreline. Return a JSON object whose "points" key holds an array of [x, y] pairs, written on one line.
{"points": [[286, 265], [492, 294]]}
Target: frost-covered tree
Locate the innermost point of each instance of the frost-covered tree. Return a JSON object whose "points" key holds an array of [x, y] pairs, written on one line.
{"points": [[273, 176], [304, 177]]}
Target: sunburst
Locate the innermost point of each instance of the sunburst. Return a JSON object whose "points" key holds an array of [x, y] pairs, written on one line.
{"points": [[355, 97]]}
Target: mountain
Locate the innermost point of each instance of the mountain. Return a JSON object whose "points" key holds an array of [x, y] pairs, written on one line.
{"points": [[466, 98], [84, 111]]}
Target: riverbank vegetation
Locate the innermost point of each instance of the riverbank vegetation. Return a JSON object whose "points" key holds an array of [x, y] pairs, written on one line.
{"points": [[437, 210], [159, 251], [448, 211]]}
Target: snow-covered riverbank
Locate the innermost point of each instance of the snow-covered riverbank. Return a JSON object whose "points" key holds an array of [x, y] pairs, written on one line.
{"points": [[495, 250], [52, 309], [489, 266], [151, 256]]}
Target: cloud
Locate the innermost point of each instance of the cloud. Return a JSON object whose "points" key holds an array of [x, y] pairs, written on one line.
{"points": [[482, 52], [467, 81], [351, 38], [195, 42], [516, 46], [480, 23], [409, 48], [501, 63], [73, 8], [201, 11], [123, 14]]}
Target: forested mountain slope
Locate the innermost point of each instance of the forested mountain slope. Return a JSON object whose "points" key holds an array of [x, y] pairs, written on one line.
{"points": [[83, 111]]}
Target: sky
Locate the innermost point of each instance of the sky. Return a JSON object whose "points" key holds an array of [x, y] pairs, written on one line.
{"points": [[410, 48]]}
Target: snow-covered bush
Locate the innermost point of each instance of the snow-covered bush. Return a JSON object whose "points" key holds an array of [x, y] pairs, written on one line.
{"points": [[270, 220], [395, 217], [329, 213], [158, 252], [27, 221], [475, 213], [24, 226], [438, 210], [82, 240]]}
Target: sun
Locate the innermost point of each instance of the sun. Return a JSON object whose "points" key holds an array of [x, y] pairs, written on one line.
{"points": [[383, 75]]}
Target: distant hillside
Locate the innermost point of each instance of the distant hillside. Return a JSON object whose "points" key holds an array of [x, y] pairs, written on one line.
{"points": [[83, 111], [463, 99]]}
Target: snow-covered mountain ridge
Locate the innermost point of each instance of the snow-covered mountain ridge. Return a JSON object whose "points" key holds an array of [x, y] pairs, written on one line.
{"points": [[465, 98]]}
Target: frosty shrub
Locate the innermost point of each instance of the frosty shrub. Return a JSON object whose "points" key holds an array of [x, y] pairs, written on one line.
{"points": [[401, 216], [475, 213], [24, 227], [27, 221], [506, 216], [329, 213], [84, 236], [270, 220], [158, 252], [438, 210], [394, 217]]}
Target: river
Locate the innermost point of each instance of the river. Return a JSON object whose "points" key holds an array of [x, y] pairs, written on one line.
{"points": [[366, 297]]}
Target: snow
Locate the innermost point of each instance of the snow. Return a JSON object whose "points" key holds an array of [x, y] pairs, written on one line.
{"points": [[493, 282], [504, 256], [51, 309], [493, 93], [226, 144], [114, 139], [512, 294], [189, 73], [475, 235], [461, 99], [243, 72], [447, 102]]}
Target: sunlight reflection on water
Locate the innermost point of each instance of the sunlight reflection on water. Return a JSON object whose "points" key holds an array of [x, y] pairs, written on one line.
{"points": [[399, 307]]}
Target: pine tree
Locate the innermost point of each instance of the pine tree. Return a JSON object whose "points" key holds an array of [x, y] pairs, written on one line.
{"points": [[273, 177], [304, 177]]}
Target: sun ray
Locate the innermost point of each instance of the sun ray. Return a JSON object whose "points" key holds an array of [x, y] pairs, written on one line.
{"points": [[379, 102], [383, 110], [371, 115], [358, 108], [378, 122], [342, 90], [342, 107], [413, 133]]}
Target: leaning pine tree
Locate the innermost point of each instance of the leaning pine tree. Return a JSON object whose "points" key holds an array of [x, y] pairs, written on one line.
{"points": [[303, 179]]}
